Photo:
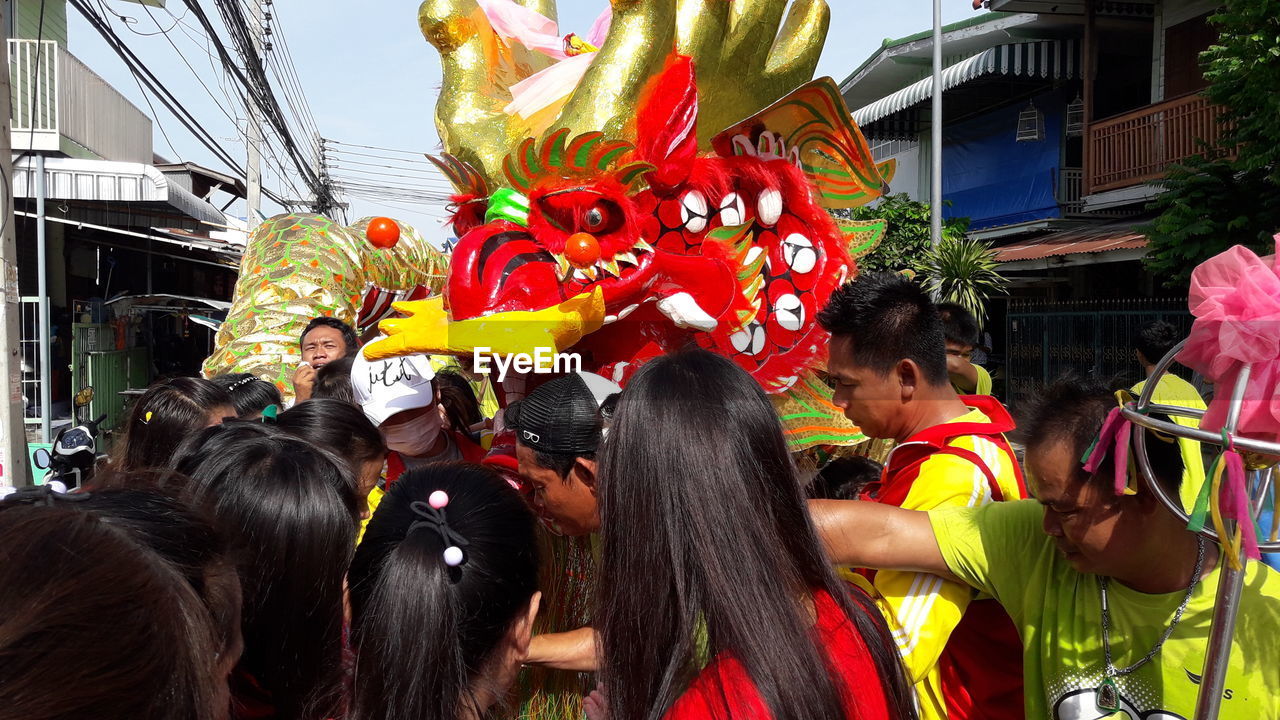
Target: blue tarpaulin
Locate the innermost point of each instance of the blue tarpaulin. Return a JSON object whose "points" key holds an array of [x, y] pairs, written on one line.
{"points": [[990, 178]]}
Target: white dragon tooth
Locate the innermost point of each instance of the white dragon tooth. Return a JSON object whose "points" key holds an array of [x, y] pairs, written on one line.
{"points": [[693, 211], [799, 253], [732, 213], [789, 311], [610, 319], [769, 207], [627, 310], [627, 257], [584, 274], [642, 246]]}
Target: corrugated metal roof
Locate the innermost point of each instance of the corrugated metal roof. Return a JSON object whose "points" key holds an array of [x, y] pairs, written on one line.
{"points": [[1118, 236], [1058, 59]]}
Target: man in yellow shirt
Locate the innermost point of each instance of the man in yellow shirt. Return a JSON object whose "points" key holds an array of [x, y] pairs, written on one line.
{"points": [[1154, 342], [1112, 595], [960, 330], [887, 359]]}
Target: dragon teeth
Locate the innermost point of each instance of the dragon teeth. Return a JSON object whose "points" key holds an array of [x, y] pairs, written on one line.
{"points": [[642, 246], [610, 267], [627, 257]]}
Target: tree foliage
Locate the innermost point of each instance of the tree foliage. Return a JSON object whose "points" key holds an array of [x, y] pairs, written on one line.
{"points": [[964, 271], [1212, 201], [906, 238]]}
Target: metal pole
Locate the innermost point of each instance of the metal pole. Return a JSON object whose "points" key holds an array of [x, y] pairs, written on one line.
{"points": [[1226, 605], [42, 289], [13, 446], [253, 135], [935, 186]]}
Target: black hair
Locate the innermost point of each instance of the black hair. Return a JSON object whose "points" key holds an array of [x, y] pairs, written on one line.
{"points": [[1072, 409], [1156, 340], [889, 319], [249, 395], [165, 415], [338, 427], [348, 333], [333, 381], [844, 477], [424, 632], [291, 508], [958, 324], [699, 499], [458, 400], [559, 463], [115, 605]]}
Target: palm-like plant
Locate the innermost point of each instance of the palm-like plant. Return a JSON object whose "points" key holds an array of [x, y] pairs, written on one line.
{"points": [[962, 271]]}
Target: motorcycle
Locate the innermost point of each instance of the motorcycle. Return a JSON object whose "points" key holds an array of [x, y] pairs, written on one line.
{"points": [[69, 464]]}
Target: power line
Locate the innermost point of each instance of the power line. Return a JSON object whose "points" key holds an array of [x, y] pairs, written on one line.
{"points": [[375, 147], [257, 88]]}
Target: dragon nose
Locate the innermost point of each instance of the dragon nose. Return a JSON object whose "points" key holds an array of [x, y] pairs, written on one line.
{"points": [[582, 249]]}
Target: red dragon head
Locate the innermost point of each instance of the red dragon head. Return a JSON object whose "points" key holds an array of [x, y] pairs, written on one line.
{"points": [[733, 251]]}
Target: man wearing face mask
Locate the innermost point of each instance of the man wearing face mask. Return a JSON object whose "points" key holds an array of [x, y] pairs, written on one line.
{"points": [[398, 396]]}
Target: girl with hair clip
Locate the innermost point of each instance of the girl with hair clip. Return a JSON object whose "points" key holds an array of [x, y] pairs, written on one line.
{"points": [[715, 599], [443, 596], [291, 510], [115, 605], [249, 395], [165, 415]]}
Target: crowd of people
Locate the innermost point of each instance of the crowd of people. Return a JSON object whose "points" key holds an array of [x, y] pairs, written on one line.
{"points": [[375, 551]]}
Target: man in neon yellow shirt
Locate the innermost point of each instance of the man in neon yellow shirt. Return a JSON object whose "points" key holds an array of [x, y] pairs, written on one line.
{"points": [[1051, 562], [960, 329], [1154, 342]]}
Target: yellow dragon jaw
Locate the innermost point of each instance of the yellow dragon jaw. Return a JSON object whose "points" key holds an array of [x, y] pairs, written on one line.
{"points": [[428, 329]]}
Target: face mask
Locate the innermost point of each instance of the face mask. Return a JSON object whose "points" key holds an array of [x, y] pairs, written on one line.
{"points": [[413, 438]]}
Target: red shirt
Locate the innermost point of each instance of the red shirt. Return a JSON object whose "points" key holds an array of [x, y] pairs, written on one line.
{"points": [[851, 665]]}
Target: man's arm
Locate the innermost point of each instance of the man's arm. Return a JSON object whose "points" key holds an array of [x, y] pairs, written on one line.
{"points": [[574, 650], [871, 535], [963, 373]]}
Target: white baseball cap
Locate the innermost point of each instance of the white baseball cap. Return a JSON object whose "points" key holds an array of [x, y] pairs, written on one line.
{"points": [[386, 387]]}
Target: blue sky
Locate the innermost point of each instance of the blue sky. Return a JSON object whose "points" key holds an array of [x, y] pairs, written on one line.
{"points": [[371, 79]]}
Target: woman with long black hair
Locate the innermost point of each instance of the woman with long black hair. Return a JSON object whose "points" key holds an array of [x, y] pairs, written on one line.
{"points": [[444, 589], [715, 597], [291, 510]]}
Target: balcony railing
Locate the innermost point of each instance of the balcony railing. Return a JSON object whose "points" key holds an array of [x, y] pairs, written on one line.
{"points": [[1138, 147], [56, 98], [1071, 191]]}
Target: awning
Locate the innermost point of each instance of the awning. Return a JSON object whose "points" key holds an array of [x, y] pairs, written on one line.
{"points": [[1049, 59], [1096, 239], [109, 182]]}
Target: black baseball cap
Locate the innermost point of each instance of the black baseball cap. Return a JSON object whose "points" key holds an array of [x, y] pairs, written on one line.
{"points": [[562, 416]]}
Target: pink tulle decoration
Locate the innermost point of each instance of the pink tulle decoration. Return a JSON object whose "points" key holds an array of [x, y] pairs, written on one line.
{"points": [[1235, 504], [1235, 298], [1112, 436]]}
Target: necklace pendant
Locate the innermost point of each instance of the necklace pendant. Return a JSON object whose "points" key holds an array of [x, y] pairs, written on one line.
{"points": [[1108, 696]]}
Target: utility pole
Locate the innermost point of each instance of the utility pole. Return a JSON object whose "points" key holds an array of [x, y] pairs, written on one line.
{"points": [[935, 185], [13, 434], [253, 136]]}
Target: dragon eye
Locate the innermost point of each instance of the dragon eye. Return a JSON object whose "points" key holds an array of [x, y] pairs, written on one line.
{"points": [[594, 218]]}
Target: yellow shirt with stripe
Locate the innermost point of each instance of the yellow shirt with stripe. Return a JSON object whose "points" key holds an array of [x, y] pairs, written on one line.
{"points": [[982, 387], [1173, 390], [923, 609]]}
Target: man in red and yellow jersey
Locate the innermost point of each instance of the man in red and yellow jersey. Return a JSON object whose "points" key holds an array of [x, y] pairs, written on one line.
{"points": [[887, 358]]}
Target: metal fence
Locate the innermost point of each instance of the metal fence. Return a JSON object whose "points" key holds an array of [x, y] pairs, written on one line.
{"points": [[1091, 338], [100, 362]]}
